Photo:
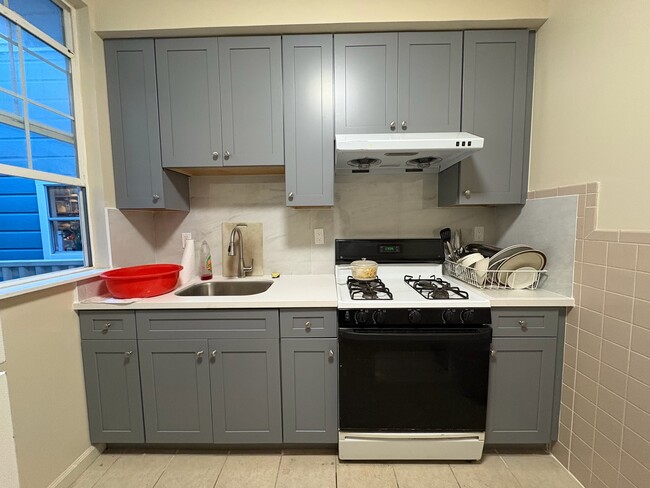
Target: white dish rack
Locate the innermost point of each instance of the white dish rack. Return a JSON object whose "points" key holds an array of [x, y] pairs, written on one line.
{"points": [[493, 279]]}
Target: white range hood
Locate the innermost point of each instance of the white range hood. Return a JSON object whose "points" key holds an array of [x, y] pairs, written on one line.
{"points": [[429, 152]]}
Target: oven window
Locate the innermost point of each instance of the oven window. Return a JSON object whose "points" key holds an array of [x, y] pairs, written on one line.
{"points": [[403, 384]]}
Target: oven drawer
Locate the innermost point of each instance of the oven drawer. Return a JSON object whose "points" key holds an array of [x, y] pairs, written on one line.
{"points": [[308, 322], [525, 322]]}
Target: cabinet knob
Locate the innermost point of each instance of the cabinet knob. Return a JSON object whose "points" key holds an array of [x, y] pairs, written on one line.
{"points": [[467, 193], [290, 196], [107, 326], [199, 354], [523, 324], [226, 155], [213, 354], [404, 126], [330, 354], [493, 353], [127, 354], [308, 326], [155, 197], [215, 155], [392, 125]]}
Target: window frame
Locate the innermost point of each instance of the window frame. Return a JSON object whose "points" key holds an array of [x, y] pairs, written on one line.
{"points": [[71, 39]]}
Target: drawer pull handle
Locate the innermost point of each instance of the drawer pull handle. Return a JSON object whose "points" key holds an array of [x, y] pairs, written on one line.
{"points": [[107, 326], [330, 354], [308, 326], [213, 354], [493, 353], [199, 354], [127, 354], [523, 324]]}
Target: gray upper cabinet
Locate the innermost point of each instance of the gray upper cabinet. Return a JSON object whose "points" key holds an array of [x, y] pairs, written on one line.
{"points": [[366, 83], [497, 94], [188, 96], [406, 82], [308, 120], [250, 72], [140, 181], [429, 81], [113, 391], [245, 385], [176, 391]]}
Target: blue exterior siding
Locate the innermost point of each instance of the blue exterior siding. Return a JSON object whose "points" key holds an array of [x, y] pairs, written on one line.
{"points": [[20, 235]]}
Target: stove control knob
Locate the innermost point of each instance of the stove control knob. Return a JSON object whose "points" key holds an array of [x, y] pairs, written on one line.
{"points": [[415, 317], [361, 317], [379, 316], [448, 316], [466, 315]]}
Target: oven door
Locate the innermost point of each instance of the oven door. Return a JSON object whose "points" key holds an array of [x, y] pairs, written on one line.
{"points": [[418, 380]]}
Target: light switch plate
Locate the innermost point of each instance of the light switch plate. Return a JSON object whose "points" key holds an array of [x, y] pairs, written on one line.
{"points": [[319, 237], [479, 233]]}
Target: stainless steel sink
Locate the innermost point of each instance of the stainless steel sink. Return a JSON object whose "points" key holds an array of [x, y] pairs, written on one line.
{"points": [[225, 288]]}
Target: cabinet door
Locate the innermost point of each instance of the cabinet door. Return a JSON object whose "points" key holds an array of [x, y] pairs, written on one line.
{"points": [[520, 391], [430, 71], [140, 181], [245, 384], [176, 391], [495, 84], [113, 391], [250, 70], [310, 390], [188, 94], [366, 83], [309, 120]]}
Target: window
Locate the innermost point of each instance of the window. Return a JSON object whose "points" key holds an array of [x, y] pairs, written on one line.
{"points": [[42, 193]]}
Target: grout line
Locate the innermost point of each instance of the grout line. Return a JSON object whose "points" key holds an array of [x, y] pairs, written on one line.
{"points": [[277, 473], [392, 467], [164, 469], [221, 470]]}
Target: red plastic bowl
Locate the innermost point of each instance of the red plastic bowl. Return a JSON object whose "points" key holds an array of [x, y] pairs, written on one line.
{"points": [[144, 281]]}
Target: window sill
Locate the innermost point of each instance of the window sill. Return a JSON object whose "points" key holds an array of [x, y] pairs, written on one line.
{"points": [[10, 290]]}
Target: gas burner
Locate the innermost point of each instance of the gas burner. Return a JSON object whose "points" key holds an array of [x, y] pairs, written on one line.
{"points": [[368, 290], [433, 288]]}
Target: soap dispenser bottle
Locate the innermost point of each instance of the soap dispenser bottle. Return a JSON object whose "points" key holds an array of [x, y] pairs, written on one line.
{"points": [[205, 262]]}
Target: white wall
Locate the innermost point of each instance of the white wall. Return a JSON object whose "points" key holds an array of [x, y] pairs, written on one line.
{"points": [[591, 113]]}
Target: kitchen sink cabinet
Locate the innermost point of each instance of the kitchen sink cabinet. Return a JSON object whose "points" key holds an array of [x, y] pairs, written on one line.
{"points": [[220, 101], [309, 351], [390, 82], [525, 376], [112, 379], [496, 101], [308, 118], [140, 180]]}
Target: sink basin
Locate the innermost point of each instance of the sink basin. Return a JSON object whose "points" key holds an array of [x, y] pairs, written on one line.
{"points": [[225, 288]]}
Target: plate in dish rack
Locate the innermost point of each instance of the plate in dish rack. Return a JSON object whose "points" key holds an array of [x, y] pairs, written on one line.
{"points": [[525, 259], [509, 251]]}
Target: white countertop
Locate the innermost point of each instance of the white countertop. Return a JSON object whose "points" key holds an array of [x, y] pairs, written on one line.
{"points": [[304, 291], [287, 291]]}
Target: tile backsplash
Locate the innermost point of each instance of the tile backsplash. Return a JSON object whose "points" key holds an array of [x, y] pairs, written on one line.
{"points": [[366, 206]]}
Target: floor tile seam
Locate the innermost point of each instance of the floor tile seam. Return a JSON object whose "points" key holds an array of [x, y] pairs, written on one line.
{"points": [[514, 475], [277, 472], [453, 473], [569, 471], [104, 473], [165, 468], [392, 468], [221, 470]]}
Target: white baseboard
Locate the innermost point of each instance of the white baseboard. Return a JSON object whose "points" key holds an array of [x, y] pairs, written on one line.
{"points": [[69, 476]]}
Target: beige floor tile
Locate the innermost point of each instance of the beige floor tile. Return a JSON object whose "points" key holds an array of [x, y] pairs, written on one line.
{"points": [[365, 475], [249, 470], [307, 471], [539, 471], [95, 471], [430, 475], [135, 471], [491, 472], [192, 470]]}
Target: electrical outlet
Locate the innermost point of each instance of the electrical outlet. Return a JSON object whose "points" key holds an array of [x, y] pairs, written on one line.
{"points": [[185, 236], [319, 237], [479, 233]]}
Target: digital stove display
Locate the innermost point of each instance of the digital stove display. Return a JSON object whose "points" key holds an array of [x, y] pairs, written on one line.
{"points": [[390, 249]]}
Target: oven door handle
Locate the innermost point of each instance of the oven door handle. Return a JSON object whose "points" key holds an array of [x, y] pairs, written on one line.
{"points": [[478, 335]]}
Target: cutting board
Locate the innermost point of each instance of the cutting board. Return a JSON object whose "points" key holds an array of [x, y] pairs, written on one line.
{"points": [[253, 237]]}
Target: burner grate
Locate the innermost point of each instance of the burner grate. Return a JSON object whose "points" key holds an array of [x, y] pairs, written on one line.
{"points": [[368, 290], [433, 288]]}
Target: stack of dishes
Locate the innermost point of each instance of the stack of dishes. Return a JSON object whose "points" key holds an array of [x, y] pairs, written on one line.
{"points": [[514, 267]]}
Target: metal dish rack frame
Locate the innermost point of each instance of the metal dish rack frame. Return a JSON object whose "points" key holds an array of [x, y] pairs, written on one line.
{"points": [[490, 279]]}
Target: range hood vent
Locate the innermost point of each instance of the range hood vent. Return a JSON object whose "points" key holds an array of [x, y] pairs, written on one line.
{"points": [[429, 152]]}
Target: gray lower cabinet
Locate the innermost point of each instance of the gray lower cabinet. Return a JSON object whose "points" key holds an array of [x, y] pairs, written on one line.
{"points": [[176, 391], [525, 375], [310, 390], [245, 386], [308, 120], [140, 181], [496, 101], [112, 381]]}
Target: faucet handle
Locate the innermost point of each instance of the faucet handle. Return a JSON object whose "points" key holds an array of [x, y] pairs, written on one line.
{"points": [[248, 269]]}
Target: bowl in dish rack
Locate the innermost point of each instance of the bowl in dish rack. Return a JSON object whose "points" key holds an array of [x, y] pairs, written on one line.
{"points": [[144, 281]]}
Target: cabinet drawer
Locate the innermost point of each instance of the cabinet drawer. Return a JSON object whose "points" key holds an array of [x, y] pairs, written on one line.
{"points": [[308, 322], [107, 325], [208, 324], [518, 322]]}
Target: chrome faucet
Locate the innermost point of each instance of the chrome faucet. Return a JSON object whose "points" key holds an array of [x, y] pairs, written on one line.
{"points": [[242, 269]]}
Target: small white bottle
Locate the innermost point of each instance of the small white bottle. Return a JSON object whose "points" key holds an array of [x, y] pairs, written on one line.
{"points": [[188, 261]]}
